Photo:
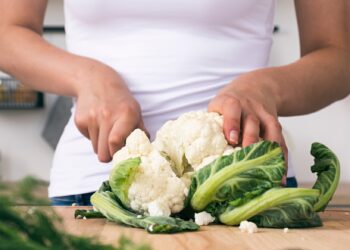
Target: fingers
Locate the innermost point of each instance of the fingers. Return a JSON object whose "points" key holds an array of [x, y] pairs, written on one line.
{"points": [[231, 110], [251, 130], [234, 115], [120, 131], [93, 136], [232, 120], [272, 129], [107, 132], [92, 129], [81, 122], [103, 148]]}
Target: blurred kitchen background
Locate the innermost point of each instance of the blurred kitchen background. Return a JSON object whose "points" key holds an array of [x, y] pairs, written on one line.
{"points": [[24, 151]]}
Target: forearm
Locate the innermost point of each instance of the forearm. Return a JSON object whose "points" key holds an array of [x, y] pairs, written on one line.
{"points": [[311, 83], [28, 57]]}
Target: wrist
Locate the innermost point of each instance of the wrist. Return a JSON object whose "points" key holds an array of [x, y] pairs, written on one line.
{"points": [[92, 74], [262, 81]]}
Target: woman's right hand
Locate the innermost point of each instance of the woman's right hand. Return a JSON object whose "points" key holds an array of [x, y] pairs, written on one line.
{"points": [[106, 111]]}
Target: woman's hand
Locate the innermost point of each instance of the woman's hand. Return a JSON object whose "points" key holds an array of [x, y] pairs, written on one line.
{"points": [[249, 108], [106, 111]]}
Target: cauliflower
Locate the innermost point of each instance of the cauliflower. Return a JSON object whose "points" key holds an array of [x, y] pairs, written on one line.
{"points": [[155, 189], [137, 144], [228, 150], [191, 138], [248, 227], [154, 178], [203, 218]]}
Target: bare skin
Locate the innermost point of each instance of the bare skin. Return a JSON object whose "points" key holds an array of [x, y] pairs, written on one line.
{"points": [[107, 112], [251, 103]]}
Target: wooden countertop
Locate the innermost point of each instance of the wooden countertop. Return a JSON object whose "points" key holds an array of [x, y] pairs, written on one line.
{"points": [[335, 234]]}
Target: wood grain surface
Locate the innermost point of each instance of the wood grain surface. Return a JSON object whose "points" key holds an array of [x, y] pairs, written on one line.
{"points": [[335, 234]]}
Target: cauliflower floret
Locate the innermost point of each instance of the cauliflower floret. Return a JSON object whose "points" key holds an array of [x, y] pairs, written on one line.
{"points": [[137, 144], [207, 160], [203, 218], [248, 227], [155, 208], [156, 190], [192, 137], [186, 179]]}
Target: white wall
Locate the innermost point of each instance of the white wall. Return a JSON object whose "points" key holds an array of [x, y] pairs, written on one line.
{"points": [[25, 152], [330, 126]]}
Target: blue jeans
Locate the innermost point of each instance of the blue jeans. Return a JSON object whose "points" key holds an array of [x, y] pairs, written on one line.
{"points": [[84, 199], [292, 182], [78, 199]]}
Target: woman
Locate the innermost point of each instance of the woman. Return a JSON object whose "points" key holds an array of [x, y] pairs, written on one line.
{"points": [[139, 63]]}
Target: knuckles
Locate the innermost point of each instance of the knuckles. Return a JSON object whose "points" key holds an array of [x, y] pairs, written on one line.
{"points": [[128, 109], [274, 124], [231, 101], [252, 118], [81, 120], [114, 140], [104, 113]]}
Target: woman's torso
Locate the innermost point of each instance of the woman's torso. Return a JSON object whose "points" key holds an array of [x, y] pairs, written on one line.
{"points": [[173, 55]]}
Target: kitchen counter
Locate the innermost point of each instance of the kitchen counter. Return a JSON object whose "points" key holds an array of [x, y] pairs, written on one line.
{"points": [[335, 234]]}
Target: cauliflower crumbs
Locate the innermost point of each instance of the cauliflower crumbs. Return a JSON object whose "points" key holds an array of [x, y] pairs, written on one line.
{"points": [[248, 227], [203, 218]]}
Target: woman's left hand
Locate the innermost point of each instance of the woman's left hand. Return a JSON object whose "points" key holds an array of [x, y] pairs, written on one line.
{"points": [[249, 108]]}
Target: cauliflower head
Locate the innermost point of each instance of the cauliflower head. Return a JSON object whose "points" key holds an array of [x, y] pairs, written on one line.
{"points": [[153, 178]]}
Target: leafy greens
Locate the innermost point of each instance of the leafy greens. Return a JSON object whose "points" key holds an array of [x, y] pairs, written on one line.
{"points": [[245, 185], [238, 177], [108, 204], [327, 168], [267, 206], [34, 226]]}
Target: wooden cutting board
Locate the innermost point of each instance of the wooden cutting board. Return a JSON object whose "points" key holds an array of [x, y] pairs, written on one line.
{"points": [[335, 234]]}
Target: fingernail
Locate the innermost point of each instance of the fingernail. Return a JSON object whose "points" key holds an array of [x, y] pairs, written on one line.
{"points": [[234, 136]]}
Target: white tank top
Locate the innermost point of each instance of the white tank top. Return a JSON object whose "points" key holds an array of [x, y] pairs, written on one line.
{"points": [[173, 55]]}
